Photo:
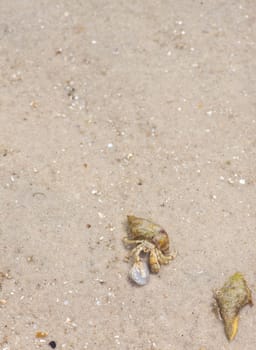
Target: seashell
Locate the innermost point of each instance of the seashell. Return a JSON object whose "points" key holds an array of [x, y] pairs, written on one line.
{"points": [[231, 298], [143, 229], [139, 273]]}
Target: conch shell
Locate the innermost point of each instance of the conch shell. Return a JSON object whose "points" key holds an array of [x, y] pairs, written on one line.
{"points": [[231, 298]]}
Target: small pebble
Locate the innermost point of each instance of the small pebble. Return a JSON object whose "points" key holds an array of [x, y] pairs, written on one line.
{"points": [[41, 335], [52, 344]]}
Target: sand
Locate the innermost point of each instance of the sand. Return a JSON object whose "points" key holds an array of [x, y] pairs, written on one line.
{"points": [[110, 108]]}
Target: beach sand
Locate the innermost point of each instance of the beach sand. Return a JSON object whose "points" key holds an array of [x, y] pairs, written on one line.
{"points": [[110, 108]]}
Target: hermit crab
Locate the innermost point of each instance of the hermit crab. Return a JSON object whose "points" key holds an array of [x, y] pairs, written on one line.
{"points": [[150, 240], [230, 299]]}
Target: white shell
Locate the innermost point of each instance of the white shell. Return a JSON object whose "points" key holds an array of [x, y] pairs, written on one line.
{"points": [[139, 273]]}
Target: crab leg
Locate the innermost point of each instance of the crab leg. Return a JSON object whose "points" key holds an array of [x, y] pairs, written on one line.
{"points": [[164, 259], [135, 252], [128, 241]]}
